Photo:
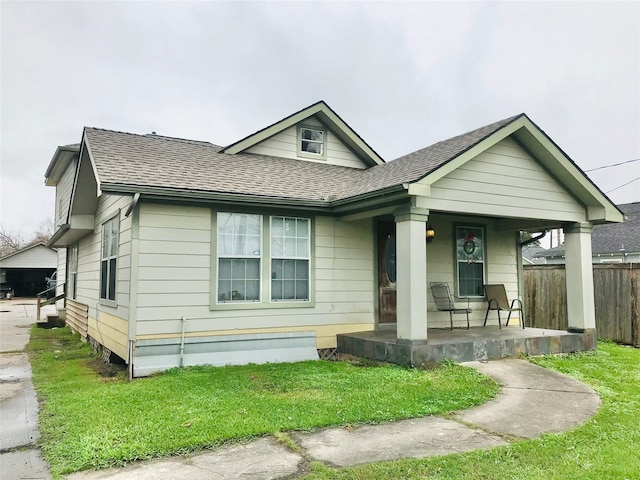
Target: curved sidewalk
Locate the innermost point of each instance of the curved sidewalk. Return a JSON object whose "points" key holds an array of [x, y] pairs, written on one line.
{"points": [[532, 401]]}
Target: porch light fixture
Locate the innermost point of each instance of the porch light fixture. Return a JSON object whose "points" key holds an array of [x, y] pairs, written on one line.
{"points": [[429, 234]]}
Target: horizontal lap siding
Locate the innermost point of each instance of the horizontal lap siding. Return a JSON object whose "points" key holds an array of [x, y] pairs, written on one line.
{"points": [[174, 279], [505, 181], [63, 193], [111, 332], [88, 280], [501, 266], [285, 144]]}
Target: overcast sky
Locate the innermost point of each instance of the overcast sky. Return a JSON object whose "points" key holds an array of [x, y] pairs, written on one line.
{"points": [[402, 75]]}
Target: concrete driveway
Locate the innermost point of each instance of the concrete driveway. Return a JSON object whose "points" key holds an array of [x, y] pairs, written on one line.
{"points": [[19, 457]]}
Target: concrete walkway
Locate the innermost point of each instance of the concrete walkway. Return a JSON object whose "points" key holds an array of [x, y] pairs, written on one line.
{"points": [[19, 458], [532, 401]]}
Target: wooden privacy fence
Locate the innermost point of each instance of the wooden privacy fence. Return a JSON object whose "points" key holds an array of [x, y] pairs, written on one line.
{"points": [[617, 299]]}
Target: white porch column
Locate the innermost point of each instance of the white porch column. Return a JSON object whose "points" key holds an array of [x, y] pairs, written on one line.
{"points": [[579, 277], [411, 276]]}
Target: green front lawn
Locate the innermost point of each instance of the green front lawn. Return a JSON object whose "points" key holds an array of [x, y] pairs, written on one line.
{"points": [[606, 447], [90, 421]]}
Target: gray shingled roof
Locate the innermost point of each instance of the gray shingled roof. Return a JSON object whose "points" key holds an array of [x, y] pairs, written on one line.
{"points": [[173, 163], [609, 238]]}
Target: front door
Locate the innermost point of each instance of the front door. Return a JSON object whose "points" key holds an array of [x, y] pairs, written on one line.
{"points": [[387, 272]]}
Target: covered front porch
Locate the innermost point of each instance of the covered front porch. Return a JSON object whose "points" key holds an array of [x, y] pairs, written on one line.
{"points": [[460, 345]]}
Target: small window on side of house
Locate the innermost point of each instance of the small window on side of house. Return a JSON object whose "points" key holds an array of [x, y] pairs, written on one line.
{"points": [[311, 142], [109, 259]]}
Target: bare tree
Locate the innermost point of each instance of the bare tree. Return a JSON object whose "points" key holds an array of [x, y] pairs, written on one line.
{"points": [[10, 241], [44, 232]]}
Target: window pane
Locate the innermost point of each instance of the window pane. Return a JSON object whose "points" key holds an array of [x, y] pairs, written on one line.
{"points": [[105, 241], [469, 244], [224, 269], [252, 269], [288, 289], [289, 247], [276, 269], [303, 228], [311, 134], [289, 269], [312, 147], [224, 290], [471, 279], [253, 290], [276, 289], [253, 245], [302, 248], [112, 279], [302, 269], [238, 269], [302, 290], [103, 278]]}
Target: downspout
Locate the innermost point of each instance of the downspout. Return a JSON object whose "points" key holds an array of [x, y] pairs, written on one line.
{"points": [[519, 246], [184, 324]]}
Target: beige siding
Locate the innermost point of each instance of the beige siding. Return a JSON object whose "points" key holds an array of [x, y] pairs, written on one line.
{"points": [[89, 257], [63, 193], [36, 257], [501, 266], [285, 144], [175, 280], [111, 332], [505, 181]]}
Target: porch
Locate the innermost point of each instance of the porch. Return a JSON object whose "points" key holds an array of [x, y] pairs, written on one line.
{"points": [[477, 343]]}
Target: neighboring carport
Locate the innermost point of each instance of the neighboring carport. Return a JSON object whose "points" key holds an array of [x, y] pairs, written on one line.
{"points": [[25, 270]]}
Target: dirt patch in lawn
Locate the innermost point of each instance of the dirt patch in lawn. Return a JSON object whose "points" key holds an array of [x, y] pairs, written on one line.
{"points": [[106, 370]]}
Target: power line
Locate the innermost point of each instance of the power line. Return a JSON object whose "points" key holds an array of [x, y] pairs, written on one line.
{"points": [[623, 185], [613, 165]]}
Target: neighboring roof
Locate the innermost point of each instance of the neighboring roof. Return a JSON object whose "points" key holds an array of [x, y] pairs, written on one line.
{"points": [[13, 257], [326, 115], [610, 238], [529, 254]]}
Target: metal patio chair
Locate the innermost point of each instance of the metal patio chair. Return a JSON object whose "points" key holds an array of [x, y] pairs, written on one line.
{"points": [[445, 302], [497, 300]]}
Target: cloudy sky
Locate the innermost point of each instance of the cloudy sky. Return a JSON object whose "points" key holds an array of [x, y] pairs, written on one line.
{"points": [[403, 75]]}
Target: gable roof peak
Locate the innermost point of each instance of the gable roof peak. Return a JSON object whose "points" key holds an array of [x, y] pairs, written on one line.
{"points": [[328, 117]]}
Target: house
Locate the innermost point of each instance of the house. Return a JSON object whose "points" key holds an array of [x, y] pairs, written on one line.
{"points": [[179, 252], [25, 270], [610, 243]]}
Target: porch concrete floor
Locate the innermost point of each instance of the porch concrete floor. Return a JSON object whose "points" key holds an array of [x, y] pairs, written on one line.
{"points": [[460, 345]]}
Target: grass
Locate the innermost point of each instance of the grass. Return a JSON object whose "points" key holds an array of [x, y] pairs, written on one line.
{"points": [[90, 422], [606, 447]]}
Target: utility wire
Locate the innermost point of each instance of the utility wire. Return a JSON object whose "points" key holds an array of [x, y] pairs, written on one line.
{"points": [[623, 185], [613, 165]]}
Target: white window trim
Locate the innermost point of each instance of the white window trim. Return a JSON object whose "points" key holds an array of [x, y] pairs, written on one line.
{"points": [[291, 257], [311, 155], [457, 262], [260, 257], [107, 301], [265, 273]]}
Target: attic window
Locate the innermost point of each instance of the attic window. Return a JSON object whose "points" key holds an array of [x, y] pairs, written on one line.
{"points": [[311, 142]]}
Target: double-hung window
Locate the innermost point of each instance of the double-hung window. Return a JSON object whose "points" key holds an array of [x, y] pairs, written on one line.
{"points": [[262, 260], [311, 142], [239, 257], [109, 258], [289, 259], [470, 261]]}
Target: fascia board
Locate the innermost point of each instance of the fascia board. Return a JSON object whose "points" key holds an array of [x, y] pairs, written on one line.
{"points": [[271, 130], [349, 137], [473, 152], [58, 164], [599, 208], [172, 194]]}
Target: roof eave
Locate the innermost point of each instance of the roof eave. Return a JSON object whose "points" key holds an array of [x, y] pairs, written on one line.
{"points": [[61, 158]]}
